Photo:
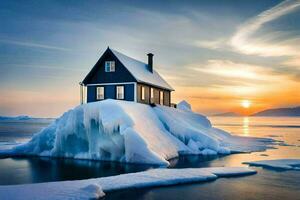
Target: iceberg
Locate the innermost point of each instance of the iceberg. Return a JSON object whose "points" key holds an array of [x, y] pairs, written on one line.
{"points": [[96, 188], [131, 132]]}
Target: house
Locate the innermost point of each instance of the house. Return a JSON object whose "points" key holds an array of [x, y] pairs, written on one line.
{"points": [[117, 76]]}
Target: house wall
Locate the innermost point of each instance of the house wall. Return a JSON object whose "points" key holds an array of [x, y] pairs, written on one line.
{"points": [[110, 92], [98, 74], [121, 76], [147, 100]]}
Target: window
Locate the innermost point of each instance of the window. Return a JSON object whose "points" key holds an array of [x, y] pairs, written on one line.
{"points": [[110, 66], [120, 92], [100, 93], [152, 93], [161, 97], [143, 93]]}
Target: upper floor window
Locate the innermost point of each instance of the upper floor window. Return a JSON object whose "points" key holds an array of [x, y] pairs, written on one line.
{"points": [[143, 93], [161, 97], [100, 93], [110, 66], [120, 92]]}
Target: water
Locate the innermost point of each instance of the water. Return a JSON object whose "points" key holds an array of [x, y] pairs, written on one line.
{"points": [[266, 184], [13, 132]]}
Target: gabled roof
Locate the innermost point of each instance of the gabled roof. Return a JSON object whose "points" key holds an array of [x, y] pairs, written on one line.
{"points": [[140, 72]]}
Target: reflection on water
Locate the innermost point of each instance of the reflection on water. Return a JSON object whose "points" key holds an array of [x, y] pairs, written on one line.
{"points": [[43, 169], [285, 129], [246, 126], [267, 184], [16, 131]]}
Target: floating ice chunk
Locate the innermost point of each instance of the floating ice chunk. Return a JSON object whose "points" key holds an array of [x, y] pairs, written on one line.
{"points": [[93, 191], [95, 188], [285, 164]]}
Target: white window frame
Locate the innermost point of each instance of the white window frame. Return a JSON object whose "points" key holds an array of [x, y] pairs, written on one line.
{"points": [[100, 93], [110, 66], [120, 92], [143, 93], [161, 97]]}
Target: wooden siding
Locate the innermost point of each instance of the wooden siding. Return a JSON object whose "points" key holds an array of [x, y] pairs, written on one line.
{"points": [[167, 98], [155, 99]]}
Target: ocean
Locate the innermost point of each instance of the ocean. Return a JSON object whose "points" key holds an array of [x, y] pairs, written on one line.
{"points": [[266, 184]]}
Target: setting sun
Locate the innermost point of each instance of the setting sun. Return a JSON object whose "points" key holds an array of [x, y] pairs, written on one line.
{"points": [[246, 103]]}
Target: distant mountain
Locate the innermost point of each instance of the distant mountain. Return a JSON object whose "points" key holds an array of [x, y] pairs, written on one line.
{"points": [[279, 112], [227, 114], [21, 117]]}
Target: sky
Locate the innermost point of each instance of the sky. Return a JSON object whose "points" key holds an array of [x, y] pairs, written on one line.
{"points": [[216, 54]]}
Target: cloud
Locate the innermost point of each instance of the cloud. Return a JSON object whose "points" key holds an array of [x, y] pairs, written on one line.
{"points": [[241, 79], [252, 38], [46, 67], [212, 44], [230, 69], [244, 42], [34, 45]]}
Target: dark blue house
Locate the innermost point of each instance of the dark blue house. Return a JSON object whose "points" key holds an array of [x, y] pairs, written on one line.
{"points": [[117, 76]]}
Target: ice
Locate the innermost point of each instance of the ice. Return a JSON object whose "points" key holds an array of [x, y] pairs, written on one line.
{"points": [[92, 191], [95, 188], [285, 164], [132, 132], [184, 105]]}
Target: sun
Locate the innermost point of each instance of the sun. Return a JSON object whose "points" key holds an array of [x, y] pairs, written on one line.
{"points": [[246, 103]]}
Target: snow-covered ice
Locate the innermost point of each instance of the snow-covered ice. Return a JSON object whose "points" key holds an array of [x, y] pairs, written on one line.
{"points": [[285, 164], [184, 105], [133, 132], [95, 188]]}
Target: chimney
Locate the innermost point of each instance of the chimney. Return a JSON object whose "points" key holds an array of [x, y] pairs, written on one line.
{"points": [[150, 62]]}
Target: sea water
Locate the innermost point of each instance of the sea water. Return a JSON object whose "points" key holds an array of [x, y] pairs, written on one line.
{"points": [[266, 184]]}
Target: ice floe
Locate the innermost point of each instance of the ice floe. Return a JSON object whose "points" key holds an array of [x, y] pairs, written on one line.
{"points": [[95, 188], [285, 164]]}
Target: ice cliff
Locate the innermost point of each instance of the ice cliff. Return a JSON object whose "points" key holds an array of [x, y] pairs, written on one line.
{"points": [[132, 132]]}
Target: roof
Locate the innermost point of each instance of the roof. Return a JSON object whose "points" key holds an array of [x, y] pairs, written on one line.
{"points": [[140, 72]]}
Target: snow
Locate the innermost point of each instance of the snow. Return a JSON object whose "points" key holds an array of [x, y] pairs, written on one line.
{"points": [[285, 164], [183, 105], [132, 132], [95, 188], [140, 71]]}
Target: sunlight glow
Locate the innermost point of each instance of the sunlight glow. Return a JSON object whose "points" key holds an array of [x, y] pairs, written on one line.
{"points": [[246, 103], [246, 126]]}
